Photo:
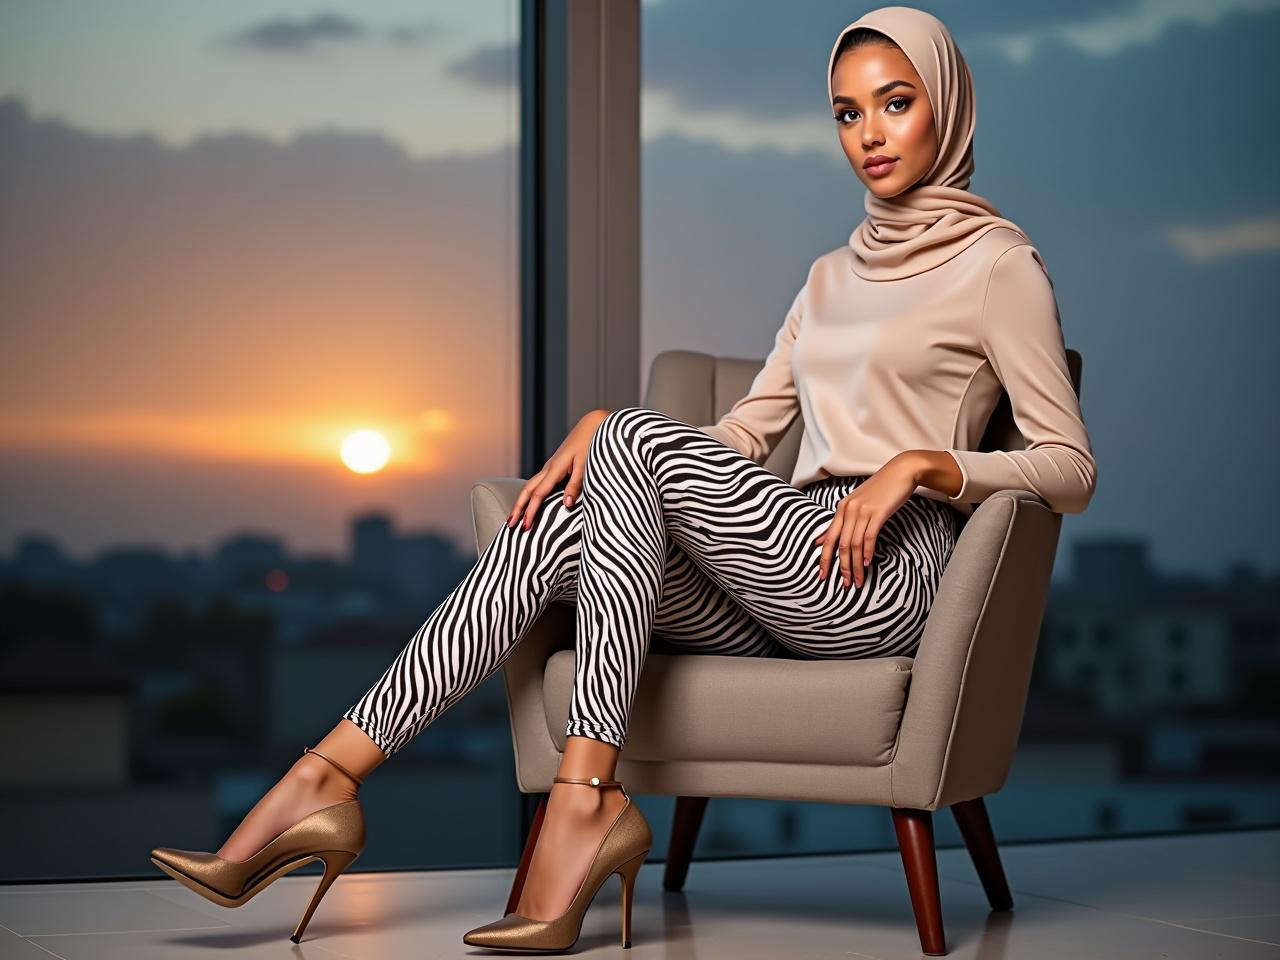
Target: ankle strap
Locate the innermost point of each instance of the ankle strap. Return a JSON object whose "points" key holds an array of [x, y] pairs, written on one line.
{"points": [[358, 780], [593, 782]]}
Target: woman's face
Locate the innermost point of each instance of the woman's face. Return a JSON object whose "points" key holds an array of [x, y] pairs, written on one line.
{"points": [[881, 109]]}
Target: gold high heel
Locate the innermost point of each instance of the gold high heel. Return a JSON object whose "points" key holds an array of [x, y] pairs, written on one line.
{"points": [[622, 851], [334, 835]]}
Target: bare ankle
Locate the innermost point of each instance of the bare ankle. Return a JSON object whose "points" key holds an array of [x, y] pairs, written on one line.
{"points": [[316, 775], [583, 800]]}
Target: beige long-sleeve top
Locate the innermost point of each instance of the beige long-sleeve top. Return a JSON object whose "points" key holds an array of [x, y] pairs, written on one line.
{"points": [[879, 367]]}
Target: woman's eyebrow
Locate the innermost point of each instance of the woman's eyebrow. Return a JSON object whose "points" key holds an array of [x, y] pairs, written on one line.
{"points": [[877, 92]]}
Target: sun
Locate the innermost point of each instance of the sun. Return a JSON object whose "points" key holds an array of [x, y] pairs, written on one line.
{"points": [[365, 451]]}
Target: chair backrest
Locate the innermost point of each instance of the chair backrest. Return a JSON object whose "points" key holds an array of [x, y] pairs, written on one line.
{"points": [[700, 388]]}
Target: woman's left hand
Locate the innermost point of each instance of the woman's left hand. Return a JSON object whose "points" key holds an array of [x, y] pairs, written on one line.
{"points": [[860, 516]]}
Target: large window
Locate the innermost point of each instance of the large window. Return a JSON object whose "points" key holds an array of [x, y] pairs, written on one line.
{"points": [[1154, 704], [258, 275]]}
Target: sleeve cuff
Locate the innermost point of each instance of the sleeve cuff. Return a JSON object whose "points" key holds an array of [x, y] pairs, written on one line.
{"points": [[983, 473], [961, 496]]}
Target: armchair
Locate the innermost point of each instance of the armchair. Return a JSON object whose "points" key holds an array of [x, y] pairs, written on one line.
{"points": [[915, 734]]}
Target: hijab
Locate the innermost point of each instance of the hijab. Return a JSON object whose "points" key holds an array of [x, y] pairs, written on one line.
{"points": [[938, 217]]}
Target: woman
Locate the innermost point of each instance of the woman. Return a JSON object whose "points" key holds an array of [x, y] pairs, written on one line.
{"points": [[895, 352]]}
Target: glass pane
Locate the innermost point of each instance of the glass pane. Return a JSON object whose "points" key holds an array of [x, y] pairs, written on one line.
{"points": [[259, 283], [1152, 704]]}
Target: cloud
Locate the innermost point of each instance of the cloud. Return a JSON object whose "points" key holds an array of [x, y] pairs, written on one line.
{"points": [[289, 35], [489, 67], [1109, 33], [1200, 244], [414, 35], [300, 35]]}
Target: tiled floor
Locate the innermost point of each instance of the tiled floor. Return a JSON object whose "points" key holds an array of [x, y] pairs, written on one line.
{"points": [[1201, 896]]}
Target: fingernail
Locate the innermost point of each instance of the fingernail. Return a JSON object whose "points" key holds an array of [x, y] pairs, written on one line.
{"points": [[568, 501]]}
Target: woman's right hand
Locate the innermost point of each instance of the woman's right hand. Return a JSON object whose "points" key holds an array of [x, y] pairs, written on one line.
{"points": [[570, 460]]}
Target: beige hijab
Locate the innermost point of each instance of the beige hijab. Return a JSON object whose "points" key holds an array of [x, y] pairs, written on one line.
{"points": [[932, 221]]}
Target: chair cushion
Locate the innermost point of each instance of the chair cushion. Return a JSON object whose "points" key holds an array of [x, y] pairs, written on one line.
{"points": [[708, 707]]}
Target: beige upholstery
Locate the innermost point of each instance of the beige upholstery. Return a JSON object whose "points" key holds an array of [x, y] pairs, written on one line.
{"points": [[726, 708], [922, 732]]}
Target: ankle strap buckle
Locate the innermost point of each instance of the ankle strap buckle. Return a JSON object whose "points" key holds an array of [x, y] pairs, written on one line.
{"points": [[593, 782]]}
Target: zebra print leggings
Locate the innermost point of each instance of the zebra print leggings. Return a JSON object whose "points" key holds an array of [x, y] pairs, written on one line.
{"points": [[676, 535]]}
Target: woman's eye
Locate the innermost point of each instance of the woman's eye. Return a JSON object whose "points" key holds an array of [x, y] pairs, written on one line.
{"points": [[903, 103]]}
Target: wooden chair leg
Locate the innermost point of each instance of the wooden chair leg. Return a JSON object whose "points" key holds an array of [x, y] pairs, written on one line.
{"points": [[684, 834], [915, 841], [517, 885], [975, 827]]}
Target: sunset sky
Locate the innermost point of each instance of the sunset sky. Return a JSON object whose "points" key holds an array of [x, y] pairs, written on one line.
{"points": [[237, 233], [233, 234]]}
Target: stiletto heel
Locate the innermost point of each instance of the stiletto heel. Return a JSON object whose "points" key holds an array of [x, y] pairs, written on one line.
{"points": [[622, 851], [628, 873], [334, 834], [335, 861]]}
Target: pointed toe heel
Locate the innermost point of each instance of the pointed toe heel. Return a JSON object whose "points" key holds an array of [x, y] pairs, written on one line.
{"points": [[623, 850], [334, 835]]}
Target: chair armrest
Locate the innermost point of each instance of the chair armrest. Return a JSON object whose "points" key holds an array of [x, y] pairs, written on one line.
{"points": [[491, 502], [522, 672], [972, 672]]}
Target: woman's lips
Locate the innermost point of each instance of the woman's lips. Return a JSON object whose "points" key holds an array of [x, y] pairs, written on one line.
{"points": [[881, 169]]}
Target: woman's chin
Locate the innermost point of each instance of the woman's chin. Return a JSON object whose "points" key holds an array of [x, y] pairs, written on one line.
{"points": [[886, 190], [883, 190]]}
